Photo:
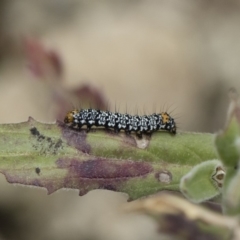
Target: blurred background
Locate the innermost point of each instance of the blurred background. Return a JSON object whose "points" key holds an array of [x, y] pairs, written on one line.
{"points": [[178, 56]]}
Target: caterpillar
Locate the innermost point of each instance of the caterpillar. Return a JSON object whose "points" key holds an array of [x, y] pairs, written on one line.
{"points": [[117, 121]]}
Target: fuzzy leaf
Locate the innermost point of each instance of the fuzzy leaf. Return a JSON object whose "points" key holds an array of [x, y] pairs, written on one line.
{"points": [[228, 147], [226, 144], [203, 182], [54, 156], [232, 195], [227, 141]]}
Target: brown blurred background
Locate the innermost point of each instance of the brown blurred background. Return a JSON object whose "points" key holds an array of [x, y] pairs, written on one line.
{"points": [[175, 55]]}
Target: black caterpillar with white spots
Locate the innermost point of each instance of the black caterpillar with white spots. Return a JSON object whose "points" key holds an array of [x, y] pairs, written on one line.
{"points": [[118, 121]]}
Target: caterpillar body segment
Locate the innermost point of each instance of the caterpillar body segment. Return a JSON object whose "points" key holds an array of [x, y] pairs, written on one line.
{"points": [[118, 121]]}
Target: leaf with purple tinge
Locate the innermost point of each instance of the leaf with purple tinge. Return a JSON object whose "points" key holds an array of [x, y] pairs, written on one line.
{"points": [[55, 156], [46, 65], [43, 63]]}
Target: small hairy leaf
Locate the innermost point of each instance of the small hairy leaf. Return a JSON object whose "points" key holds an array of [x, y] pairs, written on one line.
{"points": [[227, 141], [203, 182], [228, 147], [232, 196]]}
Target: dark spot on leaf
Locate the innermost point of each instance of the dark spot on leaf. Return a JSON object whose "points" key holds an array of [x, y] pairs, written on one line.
{"points": [[58, 143], [75, 138], [34, 131], [37, 170], [41, 137], [101, 173], [43, 144]]}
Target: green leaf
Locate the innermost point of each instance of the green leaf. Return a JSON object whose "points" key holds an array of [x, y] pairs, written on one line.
{"points": [[55, 156], [226, 143], [203, 182], [231, 198], [228, 148]]}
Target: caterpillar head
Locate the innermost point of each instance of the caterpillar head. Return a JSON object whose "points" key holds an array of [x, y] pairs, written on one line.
{"points": [[70, 116], [169, 123]]}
